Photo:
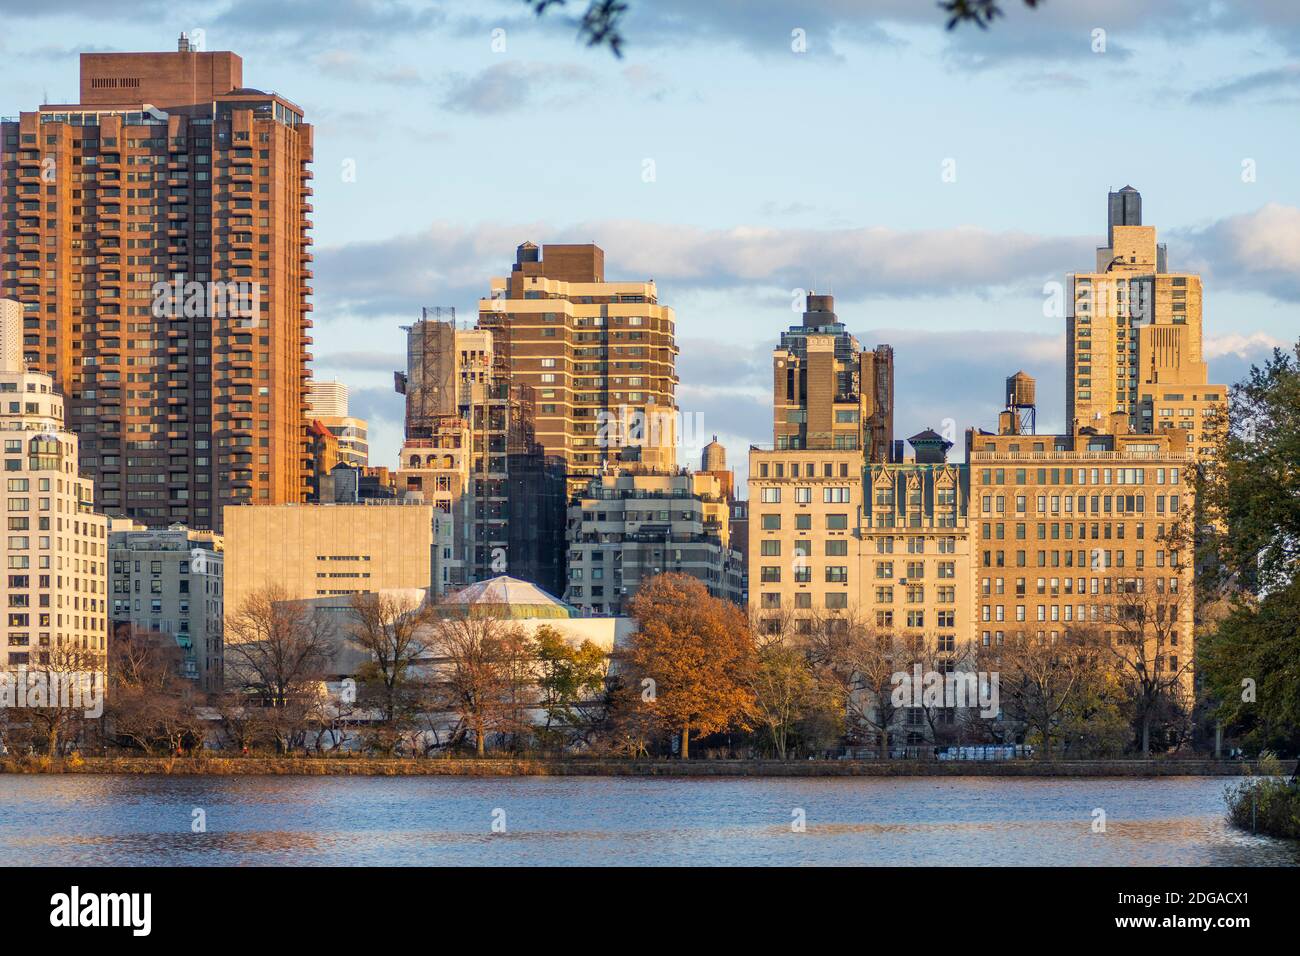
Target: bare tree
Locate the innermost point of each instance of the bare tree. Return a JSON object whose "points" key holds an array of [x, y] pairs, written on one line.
{"points": [[64, 667], [1042, 678], [855, 665], [1144, 646], [276, 653], [389, 629], [479, 675], [943, 657], [149, 703]]}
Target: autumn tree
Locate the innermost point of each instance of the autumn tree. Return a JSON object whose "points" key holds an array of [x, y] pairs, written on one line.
{"points": [[698, 652], [785, 691], [570, 685], [276, 653]]}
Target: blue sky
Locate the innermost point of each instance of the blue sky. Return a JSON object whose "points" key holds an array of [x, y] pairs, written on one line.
{"points": [[733, 170]]}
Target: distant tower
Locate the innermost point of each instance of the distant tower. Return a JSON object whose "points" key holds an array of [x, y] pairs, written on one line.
{"points": [[1123, 208], [1020, 403], [714, 457]]}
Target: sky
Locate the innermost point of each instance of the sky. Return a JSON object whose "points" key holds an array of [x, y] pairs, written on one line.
{"points": [[935, 182]]}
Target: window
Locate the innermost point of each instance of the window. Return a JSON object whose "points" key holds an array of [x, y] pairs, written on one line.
{"points": [[771, 496]]}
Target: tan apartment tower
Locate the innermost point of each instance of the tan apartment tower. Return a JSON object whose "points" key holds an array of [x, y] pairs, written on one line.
{"points": [[599, 356], [156, 233], [1134, 339]]}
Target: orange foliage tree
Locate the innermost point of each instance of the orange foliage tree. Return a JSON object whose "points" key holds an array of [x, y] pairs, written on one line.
{"points": [[693, 658]]}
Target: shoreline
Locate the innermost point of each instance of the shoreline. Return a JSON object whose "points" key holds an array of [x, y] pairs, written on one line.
{"points": [[541, 767]]}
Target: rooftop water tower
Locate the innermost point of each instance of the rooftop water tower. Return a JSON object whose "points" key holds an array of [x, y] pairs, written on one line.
{"points": [[1020, 403]]}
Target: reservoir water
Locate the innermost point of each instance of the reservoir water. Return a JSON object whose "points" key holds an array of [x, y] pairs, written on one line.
{"points": [[90, 820]]}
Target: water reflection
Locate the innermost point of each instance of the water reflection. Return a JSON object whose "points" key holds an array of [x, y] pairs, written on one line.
{"points": [[394, 821]]}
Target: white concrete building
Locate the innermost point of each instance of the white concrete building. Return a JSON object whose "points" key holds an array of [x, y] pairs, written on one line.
{"points": [[55, 580]]}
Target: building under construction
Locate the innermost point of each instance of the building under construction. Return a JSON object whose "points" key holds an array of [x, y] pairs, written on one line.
{"points": [[429, 382], [471, 450]]}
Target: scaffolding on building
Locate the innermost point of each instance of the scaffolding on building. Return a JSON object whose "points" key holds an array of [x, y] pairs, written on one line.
{"points": [[429, 382]]}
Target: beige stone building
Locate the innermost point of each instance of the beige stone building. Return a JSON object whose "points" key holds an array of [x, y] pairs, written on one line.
{"points": [[1071, 528], [55, 585], [1134, 336], [889, 547], [832, 420], [827, 391], [327, 549]]}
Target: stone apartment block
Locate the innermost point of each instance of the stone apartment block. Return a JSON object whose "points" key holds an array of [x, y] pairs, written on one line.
{"points": [[833, 413], [888, 545], [1071, 527], [171, 581], [156, 234]]}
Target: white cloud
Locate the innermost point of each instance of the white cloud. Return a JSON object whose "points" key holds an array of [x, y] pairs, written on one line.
{"points": [[1242, 346]]}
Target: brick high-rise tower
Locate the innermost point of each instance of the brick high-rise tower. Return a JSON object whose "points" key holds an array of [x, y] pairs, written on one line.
{"points": [[124, 221], [599, 357]]}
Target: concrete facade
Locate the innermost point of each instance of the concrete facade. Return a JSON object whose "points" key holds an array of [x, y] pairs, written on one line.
{"points": [[328, 549], [629, 527]]}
